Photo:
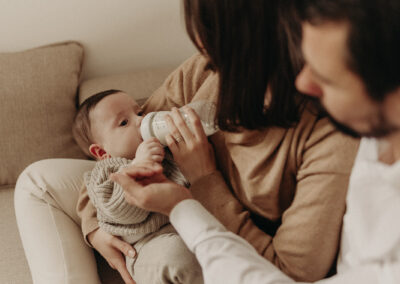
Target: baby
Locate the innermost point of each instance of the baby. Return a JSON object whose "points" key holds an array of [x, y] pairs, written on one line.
{"points": [[107, 127]]}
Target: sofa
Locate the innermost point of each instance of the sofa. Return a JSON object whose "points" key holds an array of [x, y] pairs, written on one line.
{"points": [[42, 84]]}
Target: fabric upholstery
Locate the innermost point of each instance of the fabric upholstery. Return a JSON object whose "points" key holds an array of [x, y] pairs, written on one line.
{"points": [[139, 84], [38, 89], [13, 264]]}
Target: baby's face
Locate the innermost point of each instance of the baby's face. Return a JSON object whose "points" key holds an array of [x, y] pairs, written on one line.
{"points": [[115, 123]]}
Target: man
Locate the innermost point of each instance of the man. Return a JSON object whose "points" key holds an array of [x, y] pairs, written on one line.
{"points": [[352, 56]]}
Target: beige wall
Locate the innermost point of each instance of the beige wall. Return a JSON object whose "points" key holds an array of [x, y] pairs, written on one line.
{"points": [[118, 35]]}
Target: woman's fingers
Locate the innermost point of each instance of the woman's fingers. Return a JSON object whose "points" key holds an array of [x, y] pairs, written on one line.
{"points": [[198, 130], [123, 247], [172, 144], [110, 247], [120, 266], [178, 127], [119, 263]]}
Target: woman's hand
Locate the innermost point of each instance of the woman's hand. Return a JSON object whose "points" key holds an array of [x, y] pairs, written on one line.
{"points": [[191, 150], [146, 187], [112, 249]]}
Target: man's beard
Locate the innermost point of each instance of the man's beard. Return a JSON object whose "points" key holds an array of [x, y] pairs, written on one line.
{"points": [[379, 128]]}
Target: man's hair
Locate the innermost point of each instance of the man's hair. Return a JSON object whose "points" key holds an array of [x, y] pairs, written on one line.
{"points": [[81, 128], [373, 43], [246, 45]]}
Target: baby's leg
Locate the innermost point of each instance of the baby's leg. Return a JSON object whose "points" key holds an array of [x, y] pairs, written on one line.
{"points": [[164, 258]]}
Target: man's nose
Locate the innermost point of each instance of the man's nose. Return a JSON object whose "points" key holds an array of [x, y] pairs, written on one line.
{"points": [[305, 83]]}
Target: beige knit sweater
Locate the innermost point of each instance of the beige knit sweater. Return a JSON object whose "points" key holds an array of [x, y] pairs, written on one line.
{"points": [[283, 190], [114, 214]]}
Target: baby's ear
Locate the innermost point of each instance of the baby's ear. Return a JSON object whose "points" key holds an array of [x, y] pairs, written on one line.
{"points": [[97, 152]]}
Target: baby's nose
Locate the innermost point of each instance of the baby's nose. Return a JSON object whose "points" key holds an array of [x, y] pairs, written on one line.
{"points": [[139, 120]]}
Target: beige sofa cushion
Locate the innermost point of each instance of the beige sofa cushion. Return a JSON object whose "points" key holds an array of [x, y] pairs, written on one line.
{"points": [[139, 84], [37, 91]]}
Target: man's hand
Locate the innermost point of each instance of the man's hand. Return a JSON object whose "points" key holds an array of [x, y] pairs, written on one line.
{"points": [[113, 249], [146, 187]]}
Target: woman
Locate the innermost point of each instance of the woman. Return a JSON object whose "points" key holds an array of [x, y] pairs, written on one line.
{"points": [[281, 171]]}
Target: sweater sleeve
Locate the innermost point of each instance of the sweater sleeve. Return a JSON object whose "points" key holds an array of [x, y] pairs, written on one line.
{"points": [[108, 196], [306, 243]]}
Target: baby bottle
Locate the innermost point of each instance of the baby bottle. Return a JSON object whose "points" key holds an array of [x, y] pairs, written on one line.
{"points": [[154, 124]]}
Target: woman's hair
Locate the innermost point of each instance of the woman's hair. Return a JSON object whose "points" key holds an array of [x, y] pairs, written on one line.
{"points": [[246, 44], [373, 43], [81, 128]]}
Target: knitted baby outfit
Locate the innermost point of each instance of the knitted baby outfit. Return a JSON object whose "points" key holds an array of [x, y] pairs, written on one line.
{"points": [[114, 214]]}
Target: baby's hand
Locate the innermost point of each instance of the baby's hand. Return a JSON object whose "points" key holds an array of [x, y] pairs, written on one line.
{"points": [[150, 149]]}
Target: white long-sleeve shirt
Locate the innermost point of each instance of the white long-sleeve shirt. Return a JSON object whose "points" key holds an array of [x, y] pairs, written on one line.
{"points": [[370, 250]]}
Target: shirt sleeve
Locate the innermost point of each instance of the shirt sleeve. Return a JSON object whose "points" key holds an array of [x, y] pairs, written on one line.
{"points": [[227, 258]]}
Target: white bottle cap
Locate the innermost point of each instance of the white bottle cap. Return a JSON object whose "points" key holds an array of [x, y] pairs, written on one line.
{"points": [[145, 126]]}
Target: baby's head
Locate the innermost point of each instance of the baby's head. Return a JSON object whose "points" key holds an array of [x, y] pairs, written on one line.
{"points": [[108, 125]]}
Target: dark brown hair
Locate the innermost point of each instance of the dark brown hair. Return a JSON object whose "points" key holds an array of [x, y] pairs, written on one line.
{"points": [[81, 127], [373, 43], [247, 46]]}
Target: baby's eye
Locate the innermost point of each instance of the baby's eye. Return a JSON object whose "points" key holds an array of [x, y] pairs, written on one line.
{"points": [[124, 122], [140, 113]]}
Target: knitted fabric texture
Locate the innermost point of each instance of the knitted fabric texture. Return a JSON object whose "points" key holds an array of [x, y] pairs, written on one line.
{"points": [[114, 214]]}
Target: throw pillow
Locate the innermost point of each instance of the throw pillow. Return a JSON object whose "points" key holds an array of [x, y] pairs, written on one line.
{"points": [[38, 91]]}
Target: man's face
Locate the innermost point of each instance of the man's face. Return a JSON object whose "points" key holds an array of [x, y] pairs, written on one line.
{"points": [[327, 77], [116, 123]]}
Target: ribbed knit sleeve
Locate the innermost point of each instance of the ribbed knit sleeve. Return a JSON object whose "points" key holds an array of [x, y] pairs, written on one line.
{"points": [[108, 196]]}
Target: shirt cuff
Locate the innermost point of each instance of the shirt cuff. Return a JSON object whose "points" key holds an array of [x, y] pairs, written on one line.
{"points": [[191, 220]]}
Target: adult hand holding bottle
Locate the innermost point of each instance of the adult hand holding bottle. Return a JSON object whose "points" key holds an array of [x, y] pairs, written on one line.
{"points": [[189, 144], [144, 183]]}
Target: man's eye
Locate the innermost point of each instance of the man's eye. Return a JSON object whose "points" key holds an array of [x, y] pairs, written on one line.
{"points": [[124, 122]]}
